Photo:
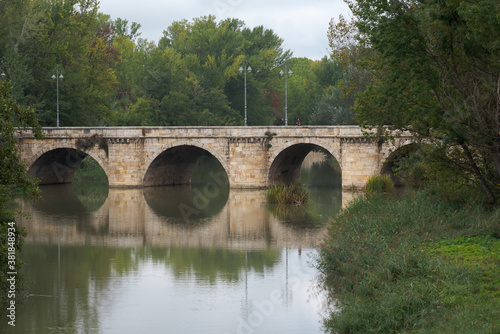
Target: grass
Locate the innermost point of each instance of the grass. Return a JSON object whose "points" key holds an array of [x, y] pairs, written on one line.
{"points": [[413, 264], [287, 194], [379, 184]]}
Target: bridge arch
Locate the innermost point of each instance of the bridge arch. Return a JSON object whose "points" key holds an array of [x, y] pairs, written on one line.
{"points": [[57, 165], [394, 157], [286, 162], [174, 163]]}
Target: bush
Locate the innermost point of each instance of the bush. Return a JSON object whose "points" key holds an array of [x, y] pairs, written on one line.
{"points": [[379, 184], [287, 194]]}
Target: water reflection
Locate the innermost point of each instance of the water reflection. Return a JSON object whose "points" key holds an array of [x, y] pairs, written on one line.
{"points": [[151, 260], [186, 205], [162, 290]]}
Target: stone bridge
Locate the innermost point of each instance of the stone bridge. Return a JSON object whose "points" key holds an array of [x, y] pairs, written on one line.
{"points": [[253, 157]]}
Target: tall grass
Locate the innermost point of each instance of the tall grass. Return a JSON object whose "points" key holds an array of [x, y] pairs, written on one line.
{"points": [[287, 194], [382, 267], [379, 184]]}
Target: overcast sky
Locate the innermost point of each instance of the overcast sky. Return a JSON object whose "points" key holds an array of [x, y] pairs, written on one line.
{"points": [[302, 24]]}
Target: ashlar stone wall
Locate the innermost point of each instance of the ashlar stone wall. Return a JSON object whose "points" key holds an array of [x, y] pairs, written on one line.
{"points": [[253, 157]]}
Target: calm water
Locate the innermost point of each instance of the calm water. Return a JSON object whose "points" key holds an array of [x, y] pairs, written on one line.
{"points": [[200, 259]]}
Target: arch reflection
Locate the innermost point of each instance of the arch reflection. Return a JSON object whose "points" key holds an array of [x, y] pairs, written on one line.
{"points": [[187, 205], [67, 201]]}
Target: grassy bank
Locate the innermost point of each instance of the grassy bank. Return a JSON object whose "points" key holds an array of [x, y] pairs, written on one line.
{"points": [[413, 264]]}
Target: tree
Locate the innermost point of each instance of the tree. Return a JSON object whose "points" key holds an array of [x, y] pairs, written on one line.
{"points": [[121, 28], [41, 35], [332, 105], [434, 71], [193, 75], [333, 109], [13, 178]]}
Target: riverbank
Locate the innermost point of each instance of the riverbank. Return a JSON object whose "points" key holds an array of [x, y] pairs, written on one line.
{"points": [[413, 264]]}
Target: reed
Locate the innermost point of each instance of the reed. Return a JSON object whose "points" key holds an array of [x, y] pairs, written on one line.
{"points": [[379, 184], [287, 194]]}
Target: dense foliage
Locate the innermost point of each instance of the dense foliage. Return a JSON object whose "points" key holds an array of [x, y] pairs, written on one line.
{"points": [[427, 262], [430, 67], [13, 180], [190, 77], [412, 265]]}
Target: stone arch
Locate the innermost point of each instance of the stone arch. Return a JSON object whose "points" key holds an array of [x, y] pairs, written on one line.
{"points": [[286, 162], [173, 163], [327, 145], [389, 148], [392, 157], [57, 165]]}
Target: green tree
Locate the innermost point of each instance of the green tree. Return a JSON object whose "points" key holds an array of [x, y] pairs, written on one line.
{"points": [[192, 77], [42, 35], [121, 28], [333, 109], [13, 178], [331, 104], [18, 26], [434, 71]]}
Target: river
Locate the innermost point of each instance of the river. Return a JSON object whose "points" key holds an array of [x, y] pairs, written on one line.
{"points": [[183, 259]]}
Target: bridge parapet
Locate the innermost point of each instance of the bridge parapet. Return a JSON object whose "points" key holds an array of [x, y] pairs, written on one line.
{"points": [[194, 131]]}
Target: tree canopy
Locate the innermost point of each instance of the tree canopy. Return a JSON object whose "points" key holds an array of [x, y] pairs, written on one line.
{"points": [[13, 178], [430, 67], [111, 76]]}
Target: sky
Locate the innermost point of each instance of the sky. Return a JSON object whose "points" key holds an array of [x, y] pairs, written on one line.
{"points": [[302, 24]]}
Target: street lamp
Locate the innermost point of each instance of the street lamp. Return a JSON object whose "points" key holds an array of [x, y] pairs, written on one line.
{"points": [[57, 76], [249, 69], [289, 73]]}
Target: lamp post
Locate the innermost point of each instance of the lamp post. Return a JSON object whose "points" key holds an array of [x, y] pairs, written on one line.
{"points": [[289, 73], [245, 69], [57, 76]]}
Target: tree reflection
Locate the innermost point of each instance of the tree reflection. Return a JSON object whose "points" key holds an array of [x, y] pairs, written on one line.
{"points": [[72, 301], [214, 264]]}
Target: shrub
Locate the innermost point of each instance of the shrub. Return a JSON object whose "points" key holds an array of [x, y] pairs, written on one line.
{"points": [[379, 184], [287, 194]]}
